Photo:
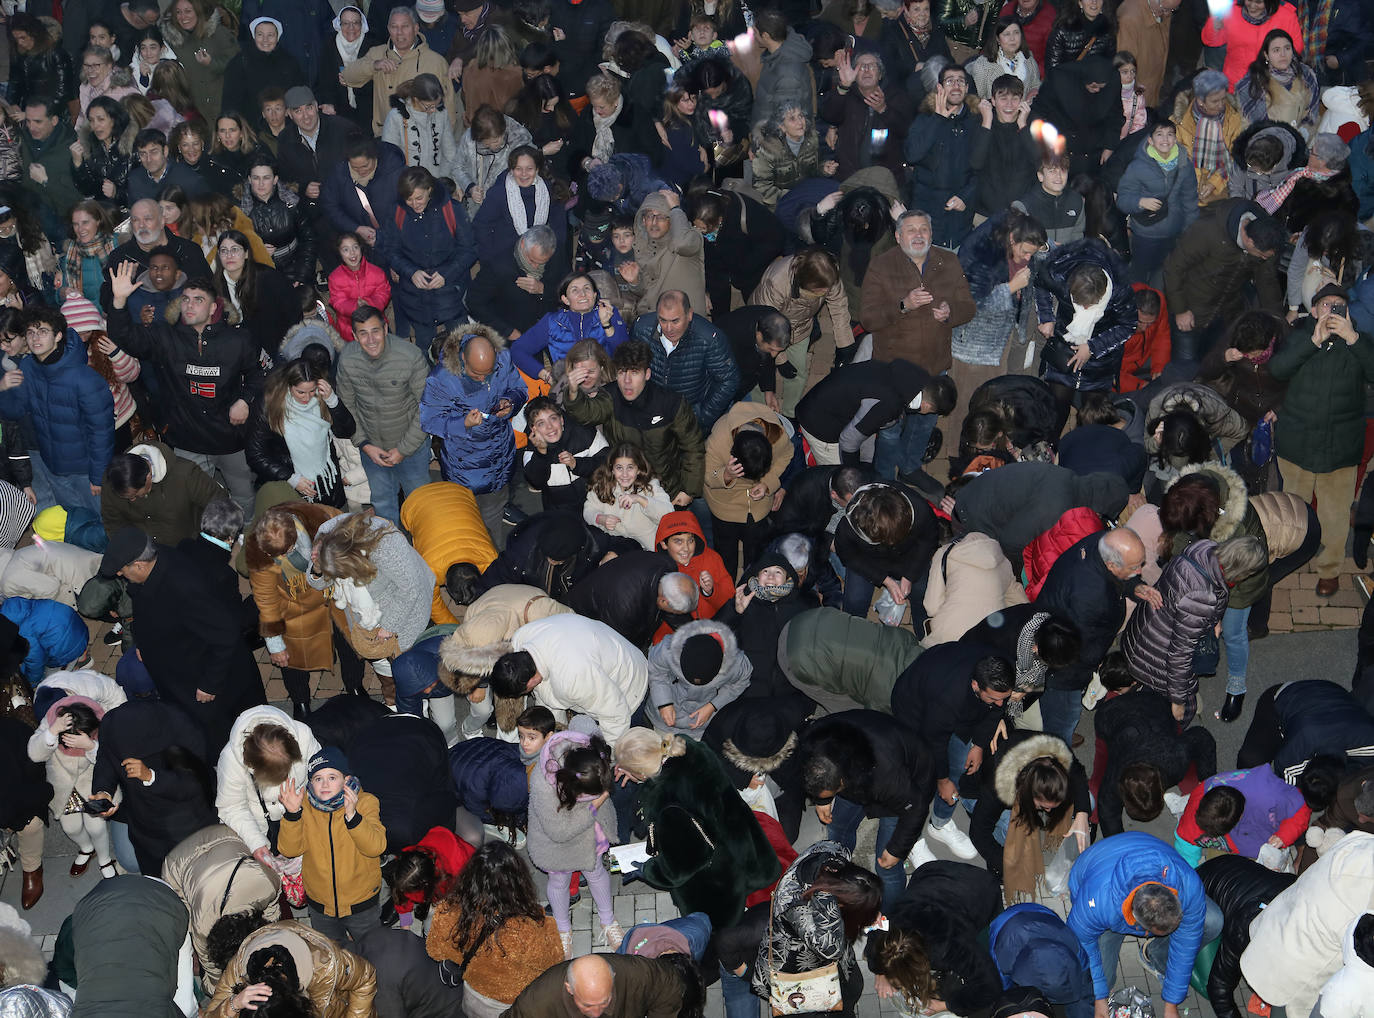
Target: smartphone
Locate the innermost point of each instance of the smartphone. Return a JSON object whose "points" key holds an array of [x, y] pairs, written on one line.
{"points": [[1343, 311], [96, 807], [849, 48]]}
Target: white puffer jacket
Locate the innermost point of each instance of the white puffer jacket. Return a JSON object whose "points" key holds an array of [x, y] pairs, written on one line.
{"points": [[242, 806]]}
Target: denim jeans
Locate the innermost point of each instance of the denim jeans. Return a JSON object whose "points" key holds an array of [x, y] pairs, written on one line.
{"points": [[416, 674], [42, 486], [740, 999], [1157, 948], [845, 818], [72, 491], [123, 847], [1059, 712], [900, 448], [388, 483], [1234, 633], [858, 594], [941, 811]]}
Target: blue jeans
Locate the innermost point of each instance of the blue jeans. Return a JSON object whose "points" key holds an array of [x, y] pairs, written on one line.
{"points": [[123, 847], [414, 672], [387, 483], [941, 811], [42, 487], [72, 491], [1059, 712], [1234, 633], [740, 999], [858, 594], [845, 817], [900, 448], [1157, 949]]}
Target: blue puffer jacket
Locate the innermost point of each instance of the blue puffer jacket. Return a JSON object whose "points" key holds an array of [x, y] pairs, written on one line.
{"points": [[56, 633], [422, 242], [1051, 278], [1106, 875], [71, 409], [702, 368], [1146, 178], [1031, 946], [489, 777], [480, 457]]}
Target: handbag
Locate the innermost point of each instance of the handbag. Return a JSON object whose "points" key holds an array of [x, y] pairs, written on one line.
{"points": [[365, 642], [1262, 444], [802, 992], [1208, 654]]}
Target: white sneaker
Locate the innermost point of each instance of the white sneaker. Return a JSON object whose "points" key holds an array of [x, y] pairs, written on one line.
{"points": [[1176, 803], [920, 854], [953, 839]]}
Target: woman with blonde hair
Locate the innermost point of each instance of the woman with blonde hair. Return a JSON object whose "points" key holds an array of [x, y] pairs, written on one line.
{"points": [[493, 76], [706, 848], [291, 432], [171, 85], [624, 497], [587, 366]]}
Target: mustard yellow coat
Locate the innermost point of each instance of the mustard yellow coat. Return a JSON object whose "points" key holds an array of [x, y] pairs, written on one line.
{"points": [[445, 527]]}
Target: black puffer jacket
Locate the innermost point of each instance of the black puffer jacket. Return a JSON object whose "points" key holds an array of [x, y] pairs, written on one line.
{"points": [[403, 761], [948, 904], [1111, 331], [1076, 36], [624, 594], [522, 561], [1090, 122], [884, 765], [50, 73], [759, 627], [281, 221], [1240, 887], [266, 450], [101, 163]]}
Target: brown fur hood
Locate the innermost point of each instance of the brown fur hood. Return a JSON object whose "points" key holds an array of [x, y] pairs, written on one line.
{"points": [[1023, 753], [461, 668], [312, 517], [759, 764], [454, 341], [1234, 497], [970, 103]]}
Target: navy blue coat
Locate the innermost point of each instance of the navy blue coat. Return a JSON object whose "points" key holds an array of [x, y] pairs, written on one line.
{"points": [[1316, 717], [71, 409], [400, 759], [411, 242], [1031, 946], [1349, 39], [1111, 332], [489, 777], [702, 370], [340, 198]]}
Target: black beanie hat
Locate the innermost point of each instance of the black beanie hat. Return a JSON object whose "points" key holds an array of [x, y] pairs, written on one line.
{"points": [[702, 655]]}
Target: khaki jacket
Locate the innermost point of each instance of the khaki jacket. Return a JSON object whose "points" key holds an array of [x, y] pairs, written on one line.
{"points": [[732, 502], [420, 60]]}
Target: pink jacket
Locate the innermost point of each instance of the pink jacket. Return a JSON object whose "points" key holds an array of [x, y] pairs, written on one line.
{"points": [[348, 289], [1242, 39]]}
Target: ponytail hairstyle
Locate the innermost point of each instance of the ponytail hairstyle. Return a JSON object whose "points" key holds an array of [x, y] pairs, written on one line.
{"points": [[585, 770], [642, 751], [904, 960]]}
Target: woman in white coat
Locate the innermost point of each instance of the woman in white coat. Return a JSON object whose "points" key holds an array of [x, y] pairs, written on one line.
{"points": [[266, 746], [418, 125]]}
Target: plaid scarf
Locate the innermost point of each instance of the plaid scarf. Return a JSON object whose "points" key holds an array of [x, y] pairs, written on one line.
{"points": [[75, 251], [1272, 199], [1315, 29], [1209, 150]]}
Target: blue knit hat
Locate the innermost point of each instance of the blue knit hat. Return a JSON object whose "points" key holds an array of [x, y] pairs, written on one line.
{"points": [[327, 757]]}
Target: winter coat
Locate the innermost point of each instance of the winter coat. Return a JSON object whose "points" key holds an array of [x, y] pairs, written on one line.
{"points": [[1296, 942], [1080, 588], [29, 792], [935, 698], [210, 81], [385, 393], [1159, 643], [426, 138], [659, 421], [1061, 215], [47, 73], [623, 594], [1347, 993], [1323, 411], [607, 679], [852, 403], [885, 765], [1175, 185], [244, 806], [403, 761], [1103, 448], [348, 290], [1041, 554], [706, 849], [637, 523], [1244, 182], [563, 487], [1319, 717], [269, 457], [555, 333], [420, 59], [804, 933], [675, 262], [56, 634], [282, 222], [203, 375], [68, 770], [909, 558], [1241, 888], [1284, 517], [409, 984], [1017, 502], [342, 985], [489, 779], [969, 579], [480, 457], [856, 121], [777, 169], [759, 627], [126, 936], [1207, 269], [445, 527], [522, 562], [828, 649], [1362, 172], [1272, 808], [561, 839], [1242, 40], [1212, 185], [1090, 124], [701, 369], [939, 150], [785, 77], [104, 162], [339, 193], [748, 240], [1222, 423], [1100, 885], [484, 168], [214, 873], [1076, 38], [1249, 388], [1004, 159], [1030, 944], [504, 964], [71, 410], [915, 336], [703, 560], [1238, 519], [669, 688], [777, 289], [732, 502], [340, 863], [1111, 332], [1000, 313], [413, 242]]}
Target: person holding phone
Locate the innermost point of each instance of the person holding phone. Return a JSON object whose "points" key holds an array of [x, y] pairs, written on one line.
{"points": [[1326, 362], [291, 432]]}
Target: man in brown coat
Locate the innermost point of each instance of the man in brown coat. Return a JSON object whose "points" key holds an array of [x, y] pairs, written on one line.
{"points": [[602, 986], [913, 297], [1142, 28]]}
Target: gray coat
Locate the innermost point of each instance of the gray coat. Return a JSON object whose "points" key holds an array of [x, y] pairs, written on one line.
{"points": [[1145, 178], [667, 687], [126, 938], [384, 394], [562, 839]]}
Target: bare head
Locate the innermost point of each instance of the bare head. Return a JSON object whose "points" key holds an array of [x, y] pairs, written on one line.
{"points": [[1123, 552], [591, 983], [479, 357]]}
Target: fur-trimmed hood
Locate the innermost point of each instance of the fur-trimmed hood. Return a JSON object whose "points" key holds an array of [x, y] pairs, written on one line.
{"points": [[759, 764], [471, 662], [1234, 497], [24, 962], [970, 105], [313, 330], [455, 341], [1022, 753], [703, 627], [172, 32]]}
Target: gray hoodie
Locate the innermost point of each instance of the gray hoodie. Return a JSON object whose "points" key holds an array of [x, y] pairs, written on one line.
{"points": [[668, 687]]}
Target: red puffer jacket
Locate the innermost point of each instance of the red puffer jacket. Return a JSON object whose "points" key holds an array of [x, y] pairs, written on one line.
{"points": [[348, 289], [1041, 554]]}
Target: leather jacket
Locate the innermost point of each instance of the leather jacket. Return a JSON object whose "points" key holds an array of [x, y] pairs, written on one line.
{"points": [[282, 222], [104, 163]]}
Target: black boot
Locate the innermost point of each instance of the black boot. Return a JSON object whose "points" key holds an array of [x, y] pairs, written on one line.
{"points": [[1230, 710], [300, 709], [1360, 548]]}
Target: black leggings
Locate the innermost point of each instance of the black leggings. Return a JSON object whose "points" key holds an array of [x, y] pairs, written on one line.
{"points": [[297, 680], [727, 538], [1265, 736]]}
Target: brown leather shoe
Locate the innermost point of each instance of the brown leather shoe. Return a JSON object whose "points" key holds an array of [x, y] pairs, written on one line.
{"points": [[33, 888], [1325, 588], [81, 863]]}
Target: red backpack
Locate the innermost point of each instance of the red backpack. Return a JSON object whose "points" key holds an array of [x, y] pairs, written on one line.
{"points": [[450, 218]]}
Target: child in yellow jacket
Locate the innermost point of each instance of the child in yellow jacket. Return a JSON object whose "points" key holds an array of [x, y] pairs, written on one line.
{"points": [[339, 836]]}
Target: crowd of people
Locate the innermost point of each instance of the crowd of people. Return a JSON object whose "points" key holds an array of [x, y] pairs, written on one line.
{"points": [[691, 414]]}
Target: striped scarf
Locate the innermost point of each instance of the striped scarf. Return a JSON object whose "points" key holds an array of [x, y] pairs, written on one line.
{"points": [[1315, 29], [1209, 149], [75, 251]]}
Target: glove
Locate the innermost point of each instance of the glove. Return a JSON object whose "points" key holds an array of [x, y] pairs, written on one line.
{"points": [[845, 354]]}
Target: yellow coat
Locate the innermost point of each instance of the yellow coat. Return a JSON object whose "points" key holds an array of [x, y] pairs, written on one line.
{"points": [[446, 527], [341, 866], [1232, 124]]}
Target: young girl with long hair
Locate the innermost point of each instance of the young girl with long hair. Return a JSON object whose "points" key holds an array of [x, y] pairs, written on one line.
{"points": [[681, 158], [356, 281], [624, 498]]}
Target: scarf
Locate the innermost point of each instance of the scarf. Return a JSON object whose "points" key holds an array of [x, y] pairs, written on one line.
{"points": [[1023, 855], [294, 564], [1318, 23], [335, 802], [527, 268], [515, 201], [1014, 65], [72, 254], [770, 592], [1084, 321], [1167, 162], [1030, 670], [348, 51], [471, 34], [603, 145], [1261, 356], [1209, 150], [307, 439]]}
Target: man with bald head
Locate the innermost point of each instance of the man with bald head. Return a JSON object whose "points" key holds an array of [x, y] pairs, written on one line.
{"points": [[470, 397], [1088, 585], [602, 986], [148, 233]]}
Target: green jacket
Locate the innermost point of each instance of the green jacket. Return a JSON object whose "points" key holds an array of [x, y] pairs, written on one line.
{"points": [[850, 656], [659, 422], [1321, 425], [60, 192]]}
